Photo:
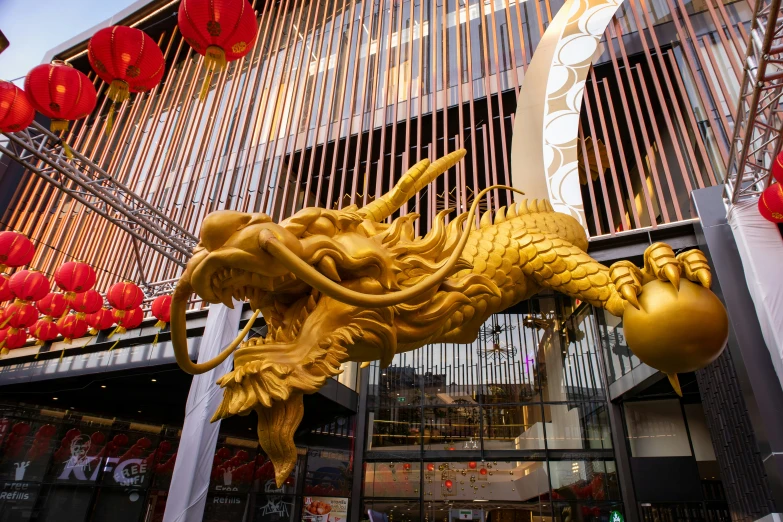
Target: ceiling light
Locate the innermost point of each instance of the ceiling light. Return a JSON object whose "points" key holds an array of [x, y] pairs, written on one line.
{"points": [[139, 411], [54, 398], [154, 380], [103, 386], [480, 500]]}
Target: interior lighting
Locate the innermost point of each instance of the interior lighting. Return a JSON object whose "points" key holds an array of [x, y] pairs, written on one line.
{"points": [[54, 398]]}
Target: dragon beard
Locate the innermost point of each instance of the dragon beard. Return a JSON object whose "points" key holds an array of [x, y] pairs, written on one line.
{"points": [[275, 390]]}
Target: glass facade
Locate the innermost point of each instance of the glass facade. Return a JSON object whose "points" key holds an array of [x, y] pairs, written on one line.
{"points": [[512, 426]]}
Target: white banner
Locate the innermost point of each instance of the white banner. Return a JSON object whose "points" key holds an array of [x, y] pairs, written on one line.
{"points": [[190, 481]]}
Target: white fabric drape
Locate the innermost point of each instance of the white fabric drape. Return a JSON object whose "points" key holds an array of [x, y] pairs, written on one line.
{"points": [[188, 492], [761, 250]]}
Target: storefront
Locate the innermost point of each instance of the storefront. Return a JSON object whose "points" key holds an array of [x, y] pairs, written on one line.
{"points": [[56, 466]]}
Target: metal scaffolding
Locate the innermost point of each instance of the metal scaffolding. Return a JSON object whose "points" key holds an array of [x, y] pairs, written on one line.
{"points": [[43, 153], [758, 125]]}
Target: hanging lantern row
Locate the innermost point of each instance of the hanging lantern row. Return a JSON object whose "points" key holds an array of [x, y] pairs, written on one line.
{"points": [[129, 61], [15, 250]]}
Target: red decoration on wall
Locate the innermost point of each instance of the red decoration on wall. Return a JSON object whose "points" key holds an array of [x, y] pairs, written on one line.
{"points": [[53, 304], [103, 319], [124, 296], [5, 289], [129, 320], [430, 467], [44, 330], [87, 302], [483, 471], [472, 465], [60, 92], [128, 60], [15, 249], [29, 285], [16, 112], [448, 484], [74, 277], [221, 32], [19, 315], [71, 327], [771, 203]]}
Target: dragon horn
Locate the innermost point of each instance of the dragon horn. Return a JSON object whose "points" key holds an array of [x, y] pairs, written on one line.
{"points": [[418, 176]]}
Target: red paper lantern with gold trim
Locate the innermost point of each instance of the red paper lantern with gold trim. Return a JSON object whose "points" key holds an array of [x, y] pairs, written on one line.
{"points": [[128, 60], [52, 304], [771, 203], [129, 320], [16, 112], [5, 289], [29, 285], [19, 314], [44, 330], [11, 339], [103, 319], [15, 249], [71, 327], [221, 32], [61, 93], [74, 278], [86, 303], [161, 309], [777, 168], [124, 296]]}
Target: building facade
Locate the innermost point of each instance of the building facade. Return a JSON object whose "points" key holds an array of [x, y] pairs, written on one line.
{"points": [[547, 416]]}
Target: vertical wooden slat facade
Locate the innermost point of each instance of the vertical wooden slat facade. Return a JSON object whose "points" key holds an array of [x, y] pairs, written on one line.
{"points": [[339, 97]]}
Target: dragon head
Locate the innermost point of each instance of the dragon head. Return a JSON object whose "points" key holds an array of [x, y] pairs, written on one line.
{"points": [[330, 285]]}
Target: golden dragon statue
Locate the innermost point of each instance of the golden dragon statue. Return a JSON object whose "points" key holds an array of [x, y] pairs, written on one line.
{"points": [[348, 285]]}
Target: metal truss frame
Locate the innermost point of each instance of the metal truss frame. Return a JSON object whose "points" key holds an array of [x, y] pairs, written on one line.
{"points": [[758, 127], [44, 154]]}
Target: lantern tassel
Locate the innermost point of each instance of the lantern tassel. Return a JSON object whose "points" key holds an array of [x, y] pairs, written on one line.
{"points": [[93, 331], [68, 151], [110, 120], [4, 351], [214, 60], [113, 346], [62, 354], [155, 340], [58, 125], [160, 325]]}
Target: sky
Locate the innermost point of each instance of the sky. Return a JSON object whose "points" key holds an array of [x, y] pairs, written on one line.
{"points": [[35, 26]]}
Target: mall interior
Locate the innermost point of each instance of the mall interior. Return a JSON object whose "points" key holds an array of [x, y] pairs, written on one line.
{"points": [[547, 416]]}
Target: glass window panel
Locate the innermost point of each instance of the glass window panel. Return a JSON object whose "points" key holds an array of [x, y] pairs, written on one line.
{"points": [[394, 428], [699, 432], [455, 428], [329, 473], [586, 511], [590, 480], [492, 482], [513, 427], [656, 429], [577, 425], [392, 479], [274, 508]]}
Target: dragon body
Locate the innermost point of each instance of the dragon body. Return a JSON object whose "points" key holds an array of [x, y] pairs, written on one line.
{"points": [[351, 285]]}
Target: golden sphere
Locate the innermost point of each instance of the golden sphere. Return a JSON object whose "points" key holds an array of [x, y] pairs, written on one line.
{"points": [[676, 331]]}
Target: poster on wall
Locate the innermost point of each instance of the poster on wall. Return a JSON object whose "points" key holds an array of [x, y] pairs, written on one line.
{"points": [[325, 509]]}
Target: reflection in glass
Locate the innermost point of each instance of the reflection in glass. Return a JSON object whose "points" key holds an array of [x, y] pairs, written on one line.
{"points": [[579, 425], [485, 481], [513, 427], [453, 428], [392, 479]]}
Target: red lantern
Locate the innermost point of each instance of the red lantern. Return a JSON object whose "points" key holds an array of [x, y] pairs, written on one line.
{"points": [[19, 315], [60, 92], [44, 330], [100, 320], [771, 203], [448, 484], [72, 327], [74, 278], [87, 302], [11, 339], [406, 466], [777, 168], [5, 289], [15, 249], [127, 59], [430, 467], [124, 296], [29, 285], [161, 309], [16, 112], [129, 320], [472, 465], [52, 304], [221, 32]]}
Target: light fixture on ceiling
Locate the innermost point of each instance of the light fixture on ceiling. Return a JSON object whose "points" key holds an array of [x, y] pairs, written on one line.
{"points": [[103, 386], [154, 380], [54, 398]]}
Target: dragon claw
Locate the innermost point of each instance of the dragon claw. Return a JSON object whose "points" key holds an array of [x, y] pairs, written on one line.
{"points": [[705, 278], [671, 272], [629, 294]]}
